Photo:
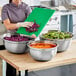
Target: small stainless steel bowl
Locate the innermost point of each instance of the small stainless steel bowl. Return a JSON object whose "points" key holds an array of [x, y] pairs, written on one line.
{"points": [[42, 54]]}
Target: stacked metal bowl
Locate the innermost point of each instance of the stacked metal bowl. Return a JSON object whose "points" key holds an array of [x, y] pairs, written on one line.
{"points": [[16, 43], [42, 54], [63, 39]]}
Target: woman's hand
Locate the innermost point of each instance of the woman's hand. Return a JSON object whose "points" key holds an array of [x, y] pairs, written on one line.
{"points": [[28, 24], [25, 24]]}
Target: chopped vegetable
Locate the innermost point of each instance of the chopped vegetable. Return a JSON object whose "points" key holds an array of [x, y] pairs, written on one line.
{"points": [[57, 35], [17, 38], [33, 28], [42, 45]]}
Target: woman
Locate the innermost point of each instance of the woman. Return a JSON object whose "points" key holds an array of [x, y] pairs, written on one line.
{"points": [[13, 17]]}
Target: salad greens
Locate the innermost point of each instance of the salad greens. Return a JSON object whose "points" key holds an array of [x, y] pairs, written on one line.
{"points": [[57, 35]]}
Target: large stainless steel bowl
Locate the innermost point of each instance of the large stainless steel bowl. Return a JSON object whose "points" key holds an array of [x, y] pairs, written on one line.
{"points": [[42, 54], [16, 47], [63, 44]]}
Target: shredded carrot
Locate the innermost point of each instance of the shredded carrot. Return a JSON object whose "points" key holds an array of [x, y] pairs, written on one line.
{"points": [[42, 45]]}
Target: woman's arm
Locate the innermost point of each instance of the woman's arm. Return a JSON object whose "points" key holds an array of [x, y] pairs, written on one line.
{"points": [[12, 26], [7, 22]]}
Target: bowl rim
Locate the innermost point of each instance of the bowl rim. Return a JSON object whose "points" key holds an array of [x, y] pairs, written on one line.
{"points": [[5, 35], [55, 39], [15, 42], [28, 44]]}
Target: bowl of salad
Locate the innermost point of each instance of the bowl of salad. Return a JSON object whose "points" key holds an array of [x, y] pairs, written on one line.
{"points": [[16, 43], [63, 39]]}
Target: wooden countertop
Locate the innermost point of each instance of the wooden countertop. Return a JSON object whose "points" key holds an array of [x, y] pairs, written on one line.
{"points": [[25, 61], [0, 11]]}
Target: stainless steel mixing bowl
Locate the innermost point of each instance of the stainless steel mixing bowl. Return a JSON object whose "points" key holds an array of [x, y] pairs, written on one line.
{"points": [[17, 47], [63, 44], [42, 54]]}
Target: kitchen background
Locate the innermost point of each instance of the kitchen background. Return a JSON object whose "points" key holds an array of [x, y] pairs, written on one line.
{"points": [[64, 19]]}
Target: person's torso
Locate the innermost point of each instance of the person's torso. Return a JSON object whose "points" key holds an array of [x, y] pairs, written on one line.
{"points": [[16, 13]]}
